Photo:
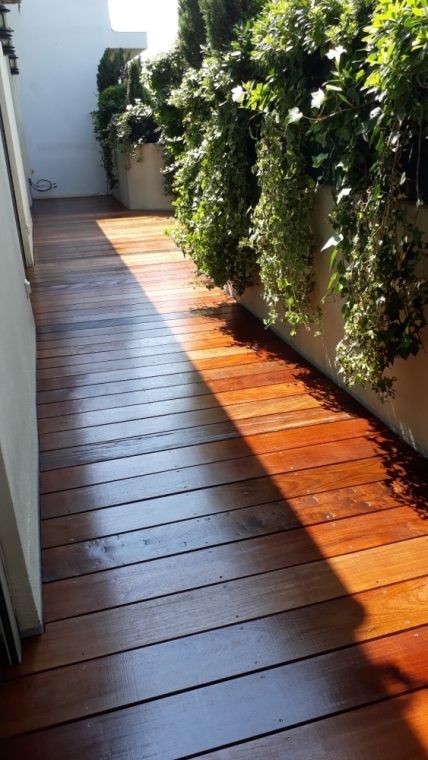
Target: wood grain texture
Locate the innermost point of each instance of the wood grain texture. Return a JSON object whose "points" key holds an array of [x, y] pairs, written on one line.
{"points": [[282, 697], [234, 552], [172, 616]]}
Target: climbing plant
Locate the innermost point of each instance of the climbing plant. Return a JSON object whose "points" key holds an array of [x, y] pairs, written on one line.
{"points": [[214, 183], [164, 74], [277, 98], [382, 272]]}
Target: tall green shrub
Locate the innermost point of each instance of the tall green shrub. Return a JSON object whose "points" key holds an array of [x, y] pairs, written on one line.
{"points": [[191, 32], [111, 102], [134, 85], [111, 69]]}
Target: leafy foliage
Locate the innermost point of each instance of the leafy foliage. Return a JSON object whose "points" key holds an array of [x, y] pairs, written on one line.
{"points": [[111, 102], [111, 69], [376, 98], [214, 182], [164, 74], [291, 94], [124, 119], [191, 32], [135, 89], [221, 17]]}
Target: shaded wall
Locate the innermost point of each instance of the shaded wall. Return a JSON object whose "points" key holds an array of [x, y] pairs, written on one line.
{"points": [[19, 513], [407, 414]]}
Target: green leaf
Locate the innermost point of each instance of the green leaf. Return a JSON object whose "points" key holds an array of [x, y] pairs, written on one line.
{"points": [[318, 160]]}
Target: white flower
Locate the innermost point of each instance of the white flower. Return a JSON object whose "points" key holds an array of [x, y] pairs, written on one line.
{"points": [[129, 108], [238, 94], [336, 53], [318, 99]]}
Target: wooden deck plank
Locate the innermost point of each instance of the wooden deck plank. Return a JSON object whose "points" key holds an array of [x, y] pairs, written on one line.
{"points": [[165, 618], [186, 436], [223, 450], [297, 547], [302, 510], [245, 707], [229, 540]]}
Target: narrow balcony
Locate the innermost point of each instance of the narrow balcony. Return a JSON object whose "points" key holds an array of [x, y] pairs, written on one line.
{"points": [[234, 551]]}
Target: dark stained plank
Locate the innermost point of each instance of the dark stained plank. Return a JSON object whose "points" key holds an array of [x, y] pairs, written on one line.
{"points": [[97, 634], [203, 453], [157, 337], [281, 697], [302, 510], [181, 436], [227, 347], [167, 416], [160, 323], [295, 547], [311, 481], [177, 386], [237, 355], [314, 460], [234, 550], [392, 730], [153, 315], [247, 367], [174, 666], [153, 391]]}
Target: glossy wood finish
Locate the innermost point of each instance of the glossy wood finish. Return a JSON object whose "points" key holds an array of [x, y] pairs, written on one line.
{"points": [[234, 552]]}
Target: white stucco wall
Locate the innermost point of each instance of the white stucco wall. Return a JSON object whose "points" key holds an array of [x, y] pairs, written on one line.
{"points": [[407, 413], [19, 514], [59, 45]]}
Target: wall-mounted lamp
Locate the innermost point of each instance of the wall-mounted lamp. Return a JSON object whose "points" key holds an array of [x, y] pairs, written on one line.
{"points": [[5, 32], [13, 61], [8, 48]]}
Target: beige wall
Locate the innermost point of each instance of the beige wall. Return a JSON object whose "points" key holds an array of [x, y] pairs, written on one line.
{"points": [[141, 186], [408, 412], [19, 515], [20, 180]]}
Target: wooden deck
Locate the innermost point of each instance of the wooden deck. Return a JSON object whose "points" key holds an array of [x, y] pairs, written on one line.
{"points": [[235, 554]]}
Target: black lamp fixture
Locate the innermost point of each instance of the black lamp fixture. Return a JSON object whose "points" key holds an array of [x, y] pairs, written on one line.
{"points": [[8, 48], [13, 61], [5, 32]]}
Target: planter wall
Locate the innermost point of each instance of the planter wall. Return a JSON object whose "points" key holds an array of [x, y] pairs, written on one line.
{"points": [[141, 186], [407, 414]]}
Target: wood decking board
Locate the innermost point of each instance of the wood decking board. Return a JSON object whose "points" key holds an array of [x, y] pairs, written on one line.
{"points": [[234, 552]]}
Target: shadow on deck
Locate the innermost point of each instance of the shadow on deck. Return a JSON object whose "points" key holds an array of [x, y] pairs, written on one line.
{"points": [[234, 550]]}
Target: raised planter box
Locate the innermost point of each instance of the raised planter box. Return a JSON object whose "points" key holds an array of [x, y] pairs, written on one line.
{"points": [[141, 186], [407, 413]]}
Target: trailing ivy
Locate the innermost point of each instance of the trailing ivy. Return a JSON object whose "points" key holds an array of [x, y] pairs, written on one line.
{"points": [[376, 98], [164, 74], [214, 183], [344, 103], [276, 98]]}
